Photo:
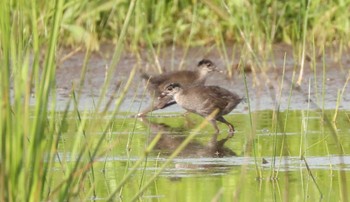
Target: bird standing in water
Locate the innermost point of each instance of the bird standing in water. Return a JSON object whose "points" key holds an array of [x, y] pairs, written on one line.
{"points": [[156, 84], [205, 100]]}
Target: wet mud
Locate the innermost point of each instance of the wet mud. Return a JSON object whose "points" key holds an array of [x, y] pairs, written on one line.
{"points": [[264, 81]]}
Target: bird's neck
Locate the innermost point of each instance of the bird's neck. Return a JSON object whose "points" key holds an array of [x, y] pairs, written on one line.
{"points": [[202, 74], [177, 95]]}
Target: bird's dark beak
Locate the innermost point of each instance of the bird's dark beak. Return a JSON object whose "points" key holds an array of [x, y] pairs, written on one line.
{"points": [[215, 69]]}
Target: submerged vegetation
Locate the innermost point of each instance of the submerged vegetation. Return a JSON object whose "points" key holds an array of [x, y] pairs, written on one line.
{"points": [[38, 164]]}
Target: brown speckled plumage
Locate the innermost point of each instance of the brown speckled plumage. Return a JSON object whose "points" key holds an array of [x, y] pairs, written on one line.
{"points": [[204, 100], [156, 84]]}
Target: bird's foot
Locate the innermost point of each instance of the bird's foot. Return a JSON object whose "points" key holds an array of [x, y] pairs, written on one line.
{"points": [[231, 132]]}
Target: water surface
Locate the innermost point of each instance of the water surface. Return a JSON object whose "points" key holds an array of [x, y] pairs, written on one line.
{"points": [[301, 159]]}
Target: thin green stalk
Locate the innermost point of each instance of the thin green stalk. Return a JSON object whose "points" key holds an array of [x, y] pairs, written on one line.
{"points": [[340, 96], [284, 144], [312, 177], [83, 72], [64, 186], [117, 53], [172, 156], [135, 166], [154, 54], [252, 132], [36, 52], [279, 122], [116, 110], [81, 123], [337, 106], [304, 29], [314, 67], [224, 50], [190, 37], [143, 172], [173, 51], [54, 148], [305, 121], [128, 149], [6, 193], [324, 78]]}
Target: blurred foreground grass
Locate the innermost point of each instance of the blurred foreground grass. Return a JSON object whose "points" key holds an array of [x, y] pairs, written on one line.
{"points": [[32, 31]]}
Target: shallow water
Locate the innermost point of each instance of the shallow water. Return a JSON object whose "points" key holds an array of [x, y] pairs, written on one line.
{"points": [[288, 150], [274, 167], [317, 90]]}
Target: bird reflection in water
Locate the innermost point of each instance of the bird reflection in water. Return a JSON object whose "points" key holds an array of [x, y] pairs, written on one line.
{"points": [[173, 137]]}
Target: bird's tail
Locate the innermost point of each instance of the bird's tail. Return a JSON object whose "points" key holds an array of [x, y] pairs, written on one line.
{"points": [[145, 76], [244, 100]]}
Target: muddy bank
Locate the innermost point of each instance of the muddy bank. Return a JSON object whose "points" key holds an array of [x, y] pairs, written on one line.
{"points": [[264, 84]]}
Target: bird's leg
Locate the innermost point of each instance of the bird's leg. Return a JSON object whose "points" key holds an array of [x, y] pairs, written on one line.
{"points": [[213, 139], [230, 126], [160, 103], [150, 108], [213, 122]]}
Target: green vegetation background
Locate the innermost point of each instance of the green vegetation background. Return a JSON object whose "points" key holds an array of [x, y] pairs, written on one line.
{"points": [[191, 22]]}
